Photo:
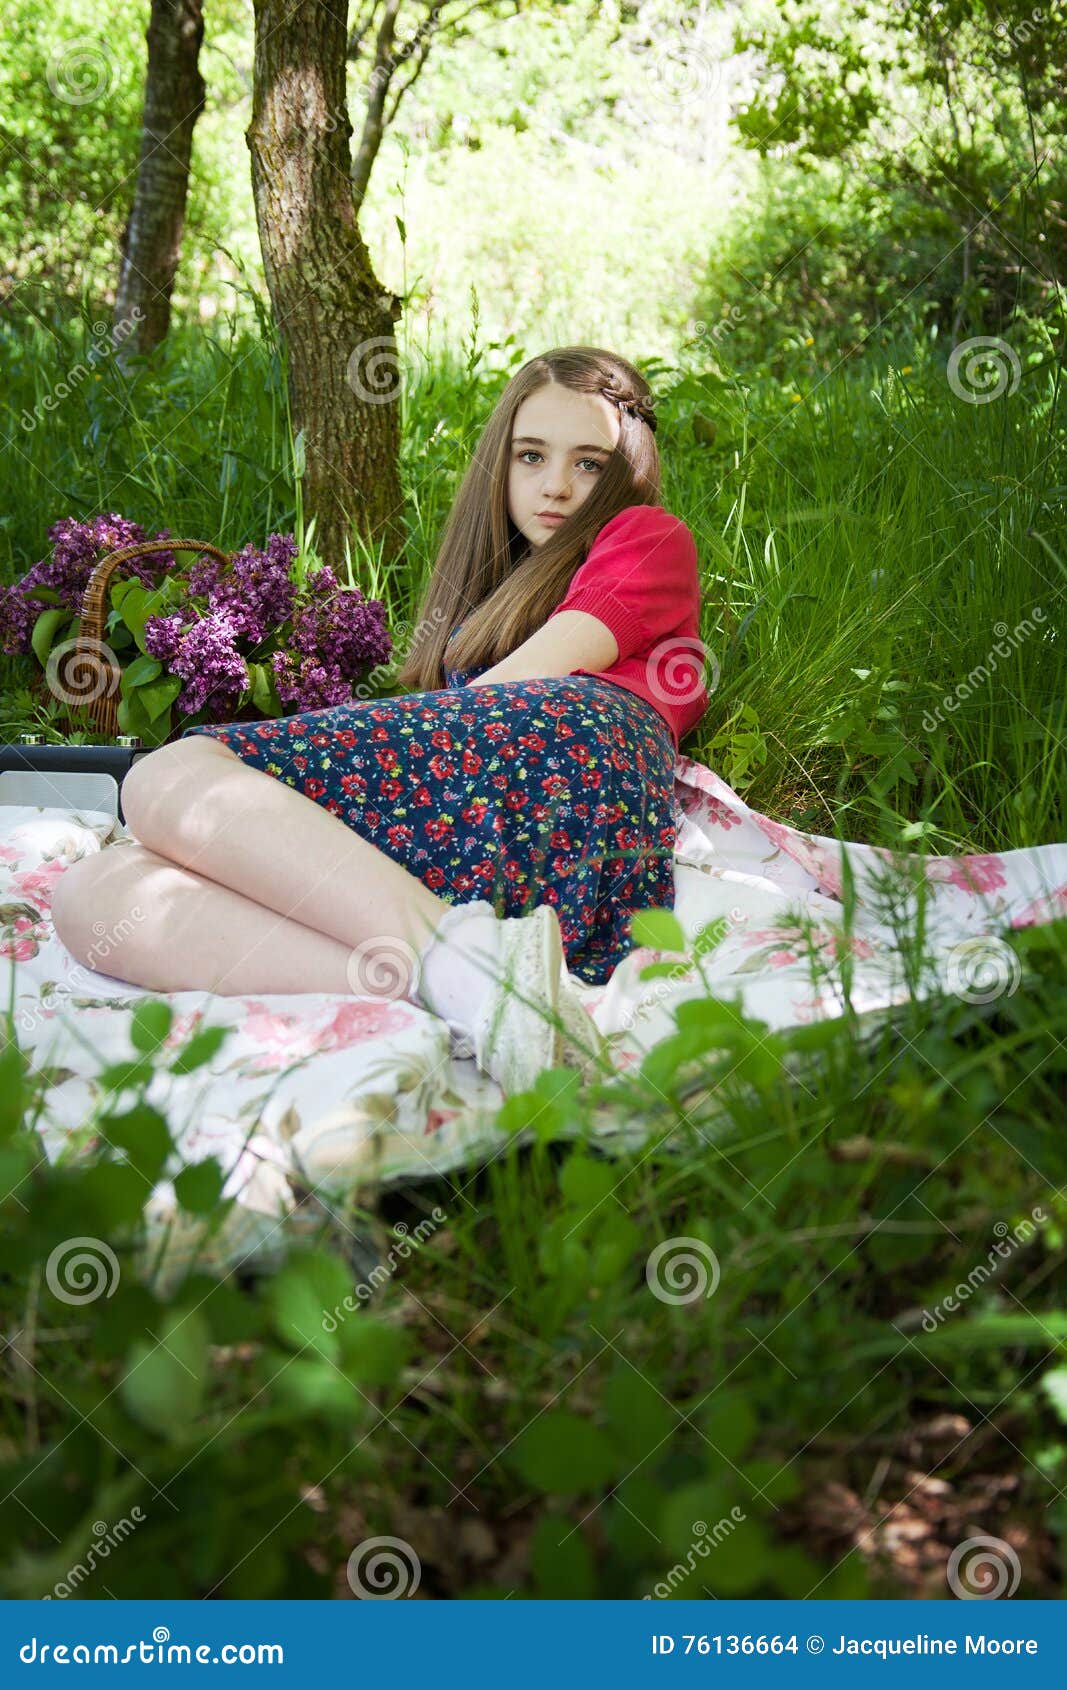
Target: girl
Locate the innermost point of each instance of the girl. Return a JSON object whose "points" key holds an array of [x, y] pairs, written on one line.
{"points": [[515, 806]]}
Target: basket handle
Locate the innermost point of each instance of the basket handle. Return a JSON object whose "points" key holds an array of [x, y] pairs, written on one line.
{"points": [[95, 596], [87, 675]]}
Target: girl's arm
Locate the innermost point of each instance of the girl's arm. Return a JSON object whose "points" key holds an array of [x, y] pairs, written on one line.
{"points": [[569, 640]]}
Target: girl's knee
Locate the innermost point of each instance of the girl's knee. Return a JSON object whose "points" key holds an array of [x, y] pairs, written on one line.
{"points": [[158, 785]]}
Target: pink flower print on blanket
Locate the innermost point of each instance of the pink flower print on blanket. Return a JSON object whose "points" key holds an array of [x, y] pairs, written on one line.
{"points": [[1052, 907], [22, 932], [38, 883], [281, 1038], [793, 943], [695, 802], [972, 874]]}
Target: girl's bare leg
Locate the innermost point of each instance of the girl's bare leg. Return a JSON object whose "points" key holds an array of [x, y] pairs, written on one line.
{"points": [[131, 913], [195, 804]]}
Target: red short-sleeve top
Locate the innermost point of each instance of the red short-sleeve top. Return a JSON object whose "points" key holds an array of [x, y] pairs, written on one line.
{"points": [[640, 579]]}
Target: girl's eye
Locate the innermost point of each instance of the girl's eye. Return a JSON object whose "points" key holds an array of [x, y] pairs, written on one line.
{"points": [[532, 452]]}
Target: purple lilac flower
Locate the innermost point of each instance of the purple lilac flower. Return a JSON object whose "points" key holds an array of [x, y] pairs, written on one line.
{"points": [[77, 548], [346, 630], [255, 589], [311, 685], [209, 662]]}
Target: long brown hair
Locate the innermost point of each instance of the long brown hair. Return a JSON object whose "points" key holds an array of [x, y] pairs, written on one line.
{"points": [[486, 574]]}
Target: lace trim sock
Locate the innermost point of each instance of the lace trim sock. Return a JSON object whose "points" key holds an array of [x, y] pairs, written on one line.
{"points": [[458, 968]]}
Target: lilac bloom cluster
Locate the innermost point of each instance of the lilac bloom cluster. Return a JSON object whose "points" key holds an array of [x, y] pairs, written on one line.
{"points": [[77, 548], [335, 632]]}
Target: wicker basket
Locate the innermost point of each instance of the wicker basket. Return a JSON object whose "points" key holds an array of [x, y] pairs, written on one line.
{"points": [[87, 676]]}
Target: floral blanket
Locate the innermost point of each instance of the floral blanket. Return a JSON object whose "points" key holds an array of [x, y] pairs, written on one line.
{"points": [[313, 1099]]}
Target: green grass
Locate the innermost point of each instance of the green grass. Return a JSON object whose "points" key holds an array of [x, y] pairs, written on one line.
{"points": [[514, 1401]]}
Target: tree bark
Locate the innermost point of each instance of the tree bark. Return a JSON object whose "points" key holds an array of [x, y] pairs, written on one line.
{"points": [[333, 316], [152, 238]]}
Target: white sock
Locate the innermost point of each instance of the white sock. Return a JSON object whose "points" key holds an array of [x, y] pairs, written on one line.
{"points": [[458, 968]]}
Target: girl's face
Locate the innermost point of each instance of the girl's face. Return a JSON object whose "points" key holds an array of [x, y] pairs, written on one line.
{"points": [[560, 443]]}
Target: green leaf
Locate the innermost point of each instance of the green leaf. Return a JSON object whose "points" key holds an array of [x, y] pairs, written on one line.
{"points": [[565, 1455], [660, 930], [199, 1186], [586, 1182], [163, 1384], [200, 1049], [158, 696], [307, 1300], [133, 718], [261, 680], [150, 1024], [640, 1418], [44, 631], [1054, 1385], [374, 1351], [315, 1387], [560, 1560], [142, 669], [138, 604], [729, 1424], [13, 1092], [145, 1137]]}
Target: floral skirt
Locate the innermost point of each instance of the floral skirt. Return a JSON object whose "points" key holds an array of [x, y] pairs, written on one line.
{"points": [[557, 790]]}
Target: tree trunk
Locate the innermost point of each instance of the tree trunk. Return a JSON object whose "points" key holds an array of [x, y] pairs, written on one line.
{"points": [[152, 239], [332, 314]]}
